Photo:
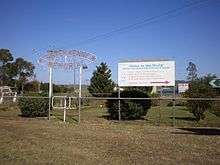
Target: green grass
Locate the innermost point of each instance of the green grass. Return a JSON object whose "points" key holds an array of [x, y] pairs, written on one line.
{"points": [[100, 141], [164, 116], [156, 116]]}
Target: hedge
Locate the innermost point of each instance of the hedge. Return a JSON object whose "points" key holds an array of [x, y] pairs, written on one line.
{"points": [[33, 107]]}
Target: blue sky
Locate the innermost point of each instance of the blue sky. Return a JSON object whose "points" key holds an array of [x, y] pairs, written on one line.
{"points": [[193, 35]]}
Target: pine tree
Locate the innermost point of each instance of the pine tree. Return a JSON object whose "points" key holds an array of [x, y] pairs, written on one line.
{"points": [[192, 71], [101, 83]]}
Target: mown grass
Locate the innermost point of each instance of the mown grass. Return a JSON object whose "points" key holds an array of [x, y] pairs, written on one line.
{"points": [[157, 116], [97, 140]]}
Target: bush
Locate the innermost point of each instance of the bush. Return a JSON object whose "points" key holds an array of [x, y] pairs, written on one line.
{"points": [[33, 107], [177, 103], [130, 109], [155, 102], [216, 108], [198, 89]]}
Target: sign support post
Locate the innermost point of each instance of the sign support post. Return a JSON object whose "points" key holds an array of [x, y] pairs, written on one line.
{"points": [[160, 102], [80, 90], [64, 111], [174, 105], [50, 91]]}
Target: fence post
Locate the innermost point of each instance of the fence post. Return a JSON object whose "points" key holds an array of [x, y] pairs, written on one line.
{"points": [[119, 104], [174, 106]]}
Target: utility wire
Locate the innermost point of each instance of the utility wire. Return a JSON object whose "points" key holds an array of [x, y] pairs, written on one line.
{"points": [[142, 23]]}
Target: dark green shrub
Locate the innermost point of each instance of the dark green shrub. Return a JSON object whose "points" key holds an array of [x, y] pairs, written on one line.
{"points": [[198, 89], [216, 108], [156, 101], [130, 109], [170, 104], [177, 103], [33, 107]]}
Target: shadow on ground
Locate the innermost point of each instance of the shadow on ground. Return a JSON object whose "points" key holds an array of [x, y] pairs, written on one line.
{"points": [[184, 118], [199, 131], [108, 117]]}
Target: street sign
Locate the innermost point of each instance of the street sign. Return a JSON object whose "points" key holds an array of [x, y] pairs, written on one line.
{"points": [[183, 87], [215, 83]]}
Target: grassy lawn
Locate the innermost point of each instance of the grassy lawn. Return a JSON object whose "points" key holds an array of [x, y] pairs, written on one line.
{"points": [[182, 117], [156, 116], [100, 141]]}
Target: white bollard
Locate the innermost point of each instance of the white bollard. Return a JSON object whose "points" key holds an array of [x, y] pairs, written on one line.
{"points": [[64, 110], [15, 97], [1, 99], [69, 103]]}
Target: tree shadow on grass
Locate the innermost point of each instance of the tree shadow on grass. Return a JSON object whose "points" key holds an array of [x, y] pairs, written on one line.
{"points": [[184, 118], [199, 131], [108, 117]]}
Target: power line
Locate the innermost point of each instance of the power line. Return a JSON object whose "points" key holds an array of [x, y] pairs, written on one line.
{"points": [[142, 23]]}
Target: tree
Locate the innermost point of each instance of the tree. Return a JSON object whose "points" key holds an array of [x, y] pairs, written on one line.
{"points": [[14, 73], [101, 83], [5, 59], [200, 88], [192, 71], [9, 74], [44, 87], [32, 86], [5, 56], [24, 70], [141, 88]]}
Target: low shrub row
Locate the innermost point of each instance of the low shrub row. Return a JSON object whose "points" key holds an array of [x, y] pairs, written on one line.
{"points": [[33, 107]]}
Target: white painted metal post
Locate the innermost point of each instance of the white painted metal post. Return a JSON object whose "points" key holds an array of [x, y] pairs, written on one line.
{"points": [[74, 80], [64, 110], [15, 97], [69, 104], [80, 90], [1, 99], [50, 90]]}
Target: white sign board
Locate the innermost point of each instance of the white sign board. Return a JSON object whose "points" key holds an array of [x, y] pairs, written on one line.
{"points": [[152, 73], [183, 87]]}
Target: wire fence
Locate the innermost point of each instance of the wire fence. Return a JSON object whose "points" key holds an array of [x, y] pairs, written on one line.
{"points": [[172, 111]]}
